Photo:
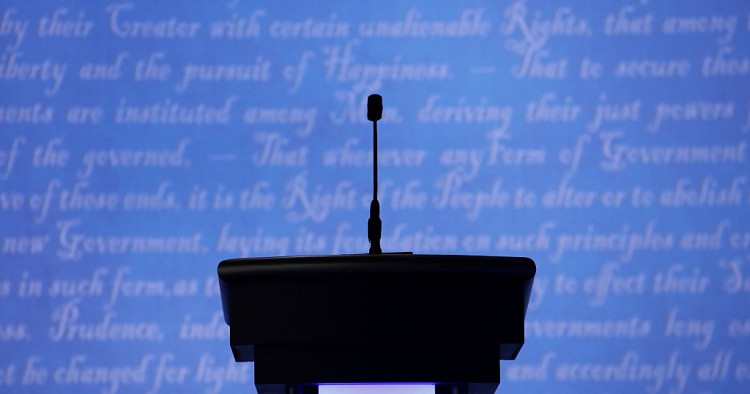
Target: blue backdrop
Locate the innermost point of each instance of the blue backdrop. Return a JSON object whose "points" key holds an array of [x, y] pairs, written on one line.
{"points": [[143, 142]]}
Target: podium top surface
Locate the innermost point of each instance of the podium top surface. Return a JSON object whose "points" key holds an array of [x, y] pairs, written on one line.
{"points": [[265, 268]]}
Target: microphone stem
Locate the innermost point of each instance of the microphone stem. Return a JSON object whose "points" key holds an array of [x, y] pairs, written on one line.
{"points": [[374, 224], [375, 160]]}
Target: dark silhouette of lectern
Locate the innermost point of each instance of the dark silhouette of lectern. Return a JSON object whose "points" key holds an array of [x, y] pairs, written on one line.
{"points": [[376, 318], [387, 318]]}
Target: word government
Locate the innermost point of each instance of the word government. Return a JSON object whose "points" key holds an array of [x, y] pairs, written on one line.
{"points": [[74, 244], [617, 155]]}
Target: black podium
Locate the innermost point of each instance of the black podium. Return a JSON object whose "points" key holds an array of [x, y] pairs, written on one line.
{"points": [[388, 318]]}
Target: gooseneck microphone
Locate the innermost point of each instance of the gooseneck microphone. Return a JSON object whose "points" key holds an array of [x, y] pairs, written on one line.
{"points": [[374, 224]]}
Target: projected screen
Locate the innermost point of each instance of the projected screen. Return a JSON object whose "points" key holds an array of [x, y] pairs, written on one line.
{"points": [[143, 142]]}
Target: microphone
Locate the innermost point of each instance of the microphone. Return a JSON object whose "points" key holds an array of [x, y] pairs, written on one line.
{"points": [[374, 224], [374, 107]]}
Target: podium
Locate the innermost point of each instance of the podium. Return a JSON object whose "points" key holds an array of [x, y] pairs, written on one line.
{"points": [[445, 320]]}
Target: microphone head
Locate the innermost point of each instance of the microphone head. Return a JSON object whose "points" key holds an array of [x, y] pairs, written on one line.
{"points": [[374, 107]]}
